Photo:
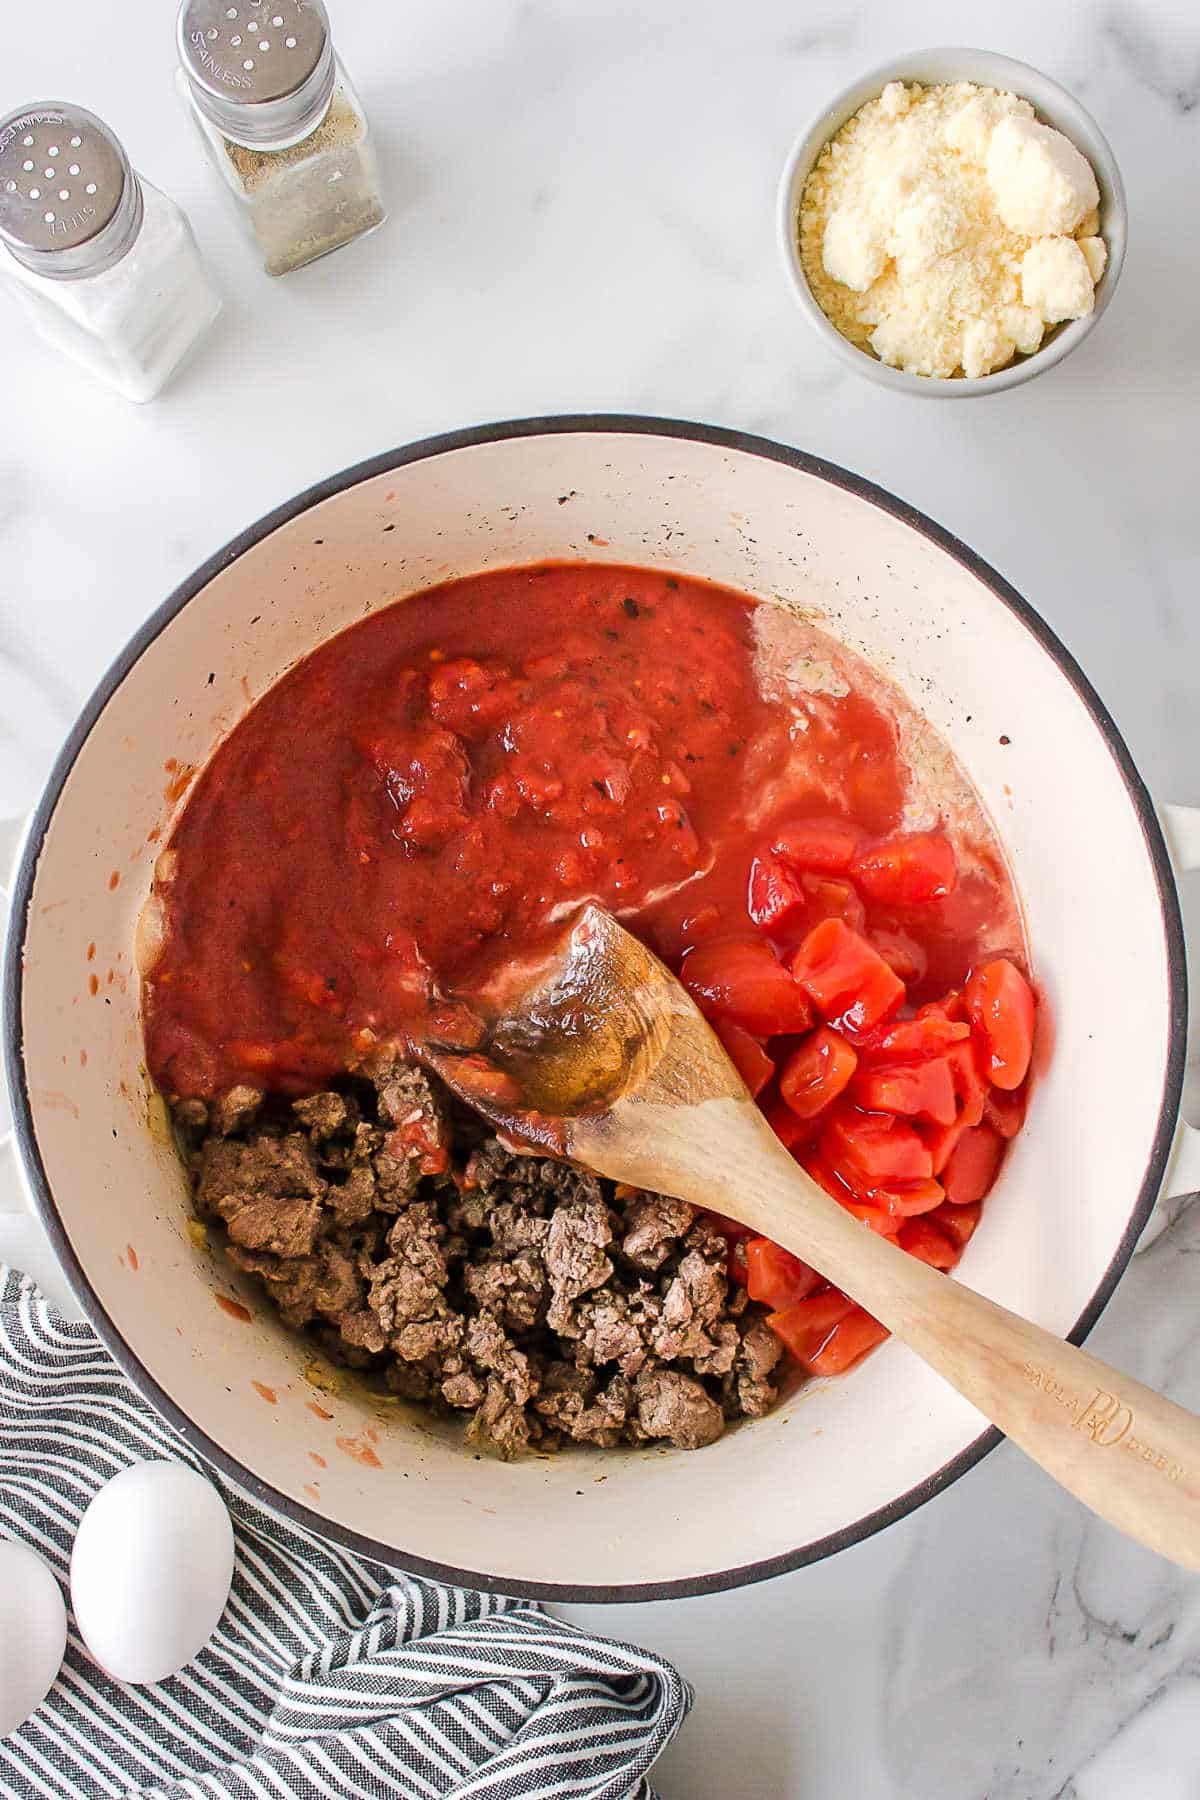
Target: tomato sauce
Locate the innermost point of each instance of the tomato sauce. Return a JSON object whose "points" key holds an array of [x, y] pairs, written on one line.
{"points": [[427, 797]]}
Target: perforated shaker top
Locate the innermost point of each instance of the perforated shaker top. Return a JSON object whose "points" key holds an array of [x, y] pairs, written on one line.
{"points": [[252, 55], [63, 177]]}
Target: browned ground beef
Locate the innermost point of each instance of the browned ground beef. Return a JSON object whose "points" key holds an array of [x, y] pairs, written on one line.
{"points": [[540, 1299]]}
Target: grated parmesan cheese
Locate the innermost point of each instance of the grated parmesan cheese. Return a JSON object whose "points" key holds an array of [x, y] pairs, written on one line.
{"points": [[944, 228]]}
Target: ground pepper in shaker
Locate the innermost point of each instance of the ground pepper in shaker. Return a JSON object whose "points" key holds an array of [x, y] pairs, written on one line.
{"points": [[105, 266], [281, 123]]}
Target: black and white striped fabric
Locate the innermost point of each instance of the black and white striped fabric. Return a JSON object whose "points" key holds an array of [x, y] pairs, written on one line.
{"points": [[328, 1675]]}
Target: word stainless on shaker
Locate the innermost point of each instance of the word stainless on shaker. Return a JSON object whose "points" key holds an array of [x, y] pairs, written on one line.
{"points": [[105, 265], [281, 124]]}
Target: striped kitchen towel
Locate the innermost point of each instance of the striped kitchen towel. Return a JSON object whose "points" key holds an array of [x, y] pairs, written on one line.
{"points": [[328, 1675]]}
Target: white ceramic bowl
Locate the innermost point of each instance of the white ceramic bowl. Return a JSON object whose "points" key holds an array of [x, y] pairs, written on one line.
{"points": [[846, 1457], [1054, 106]]}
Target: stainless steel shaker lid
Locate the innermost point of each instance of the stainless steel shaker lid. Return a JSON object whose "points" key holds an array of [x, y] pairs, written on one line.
{"points": [[263, 73], [64, 179]]}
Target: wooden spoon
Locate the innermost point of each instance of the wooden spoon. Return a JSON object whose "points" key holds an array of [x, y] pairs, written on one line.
{"points": [[607, 1061]]}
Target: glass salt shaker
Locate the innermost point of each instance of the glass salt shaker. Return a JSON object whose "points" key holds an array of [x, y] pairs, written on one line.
{"points": [[105, 266], [281, 123]]}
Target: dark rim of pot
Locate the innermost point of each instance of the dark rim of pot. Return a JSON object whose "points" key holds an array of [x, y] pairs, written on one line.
{"points": [[620, 425]]}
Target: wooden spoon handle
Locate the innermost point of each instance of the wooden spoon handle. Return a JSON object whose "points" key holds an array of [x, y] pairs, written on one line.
{"points": [[1128, 1453], [1125, 1451]]}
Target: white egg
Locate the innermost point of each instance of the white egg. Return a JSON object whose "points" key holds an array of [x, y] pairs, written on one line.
{"points": [[151, 1570], [33, 1632]]}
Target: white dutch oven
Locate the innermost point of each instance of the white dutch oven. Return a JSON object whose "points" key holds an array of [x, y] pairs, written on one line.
{"points": [[844, 1458]]}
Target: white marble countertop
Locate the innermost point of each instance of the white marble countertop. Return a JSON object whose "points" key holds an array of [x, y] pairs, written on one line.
{"points": [[581, 204]]}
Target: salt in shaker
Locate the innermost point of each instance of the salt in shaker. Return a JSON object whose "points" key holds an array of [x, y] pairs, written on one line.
{"points": [[281, 123], [105, 266]]}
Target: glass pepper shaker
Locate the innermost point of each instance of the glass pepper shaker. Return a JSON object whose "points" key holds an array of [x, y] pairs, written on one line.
{"points": [[281, 123], [105, 266]]}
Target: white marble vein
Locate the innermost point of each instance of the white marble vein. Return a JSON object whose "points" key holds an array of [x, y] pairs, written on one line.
{"points": [[581, 196]]}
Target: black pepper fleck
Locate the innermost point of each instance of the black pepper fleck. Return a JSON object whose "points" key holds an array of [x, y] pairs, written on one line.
{"points": [[631, 607]]}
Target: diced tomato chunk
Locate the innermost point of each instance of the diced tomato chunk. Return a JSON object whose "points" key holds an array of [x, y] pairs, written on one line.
{"points": [[922, 1090], [701, 924], [1001, 1005], [825, 844], [744, 981], [825, 897], [805, 1326], [789, 1128], [824, 1339], [776, 1277], [817, 1072], [866, 1210], [885, 1223], [902, 954], [1005, 1113], [829, 898], [969, 1084], [870, 1151], [951, 1006], [922, 1239], [940, 1140], [972, 1167], [746, 1054], [958, 1222], [911, 866], [905, 1200], [775, 891], [853, 1339], [911, 1040], [815, 1165], [848, 981]]}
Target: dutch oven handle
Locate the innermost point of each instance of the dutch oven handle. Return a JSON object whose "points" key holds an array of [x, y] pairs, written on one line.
{"points": [[1181, 827], [23, 1242]]}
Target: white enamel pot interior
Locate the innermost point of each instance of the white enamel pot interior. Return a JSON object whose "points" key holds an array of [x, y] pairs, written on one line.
{"points": [[844, 1457]]}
